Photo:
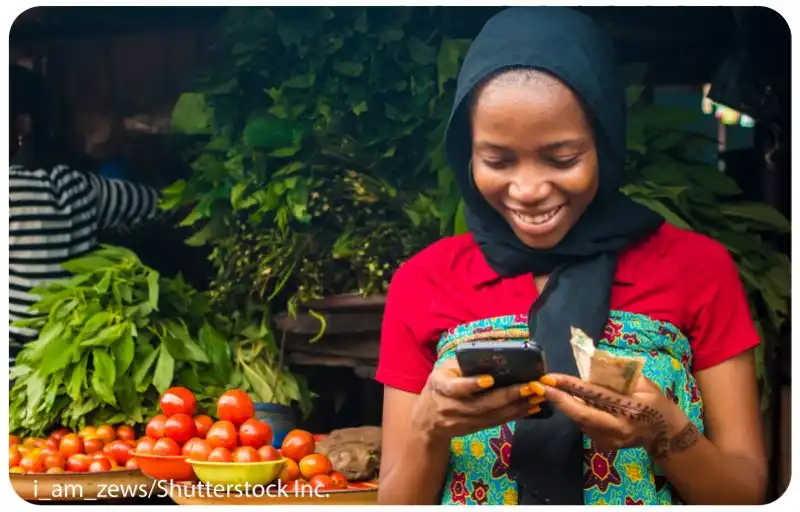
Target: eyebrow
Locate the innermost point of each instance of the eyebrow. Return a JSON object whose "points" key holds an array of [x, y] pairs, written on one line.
{"points": [[559, 144]]}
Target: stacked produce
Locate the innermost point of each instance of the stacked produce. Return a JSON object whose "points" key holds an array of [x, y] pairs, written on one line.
{"points": [[93, 450]]}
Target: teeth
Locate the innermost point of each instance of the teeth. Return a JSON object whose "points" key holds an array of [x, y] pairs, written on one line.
{"points": [[537, 219]]}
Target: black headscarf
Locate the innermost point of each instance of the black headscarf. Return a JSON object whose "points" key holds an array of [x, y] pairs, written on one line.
{"points": [[547, 454]]}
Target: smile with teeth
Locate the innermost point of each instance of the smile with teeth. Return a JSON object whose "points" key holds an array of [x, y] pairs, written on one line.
{"points": [[536, 220]]}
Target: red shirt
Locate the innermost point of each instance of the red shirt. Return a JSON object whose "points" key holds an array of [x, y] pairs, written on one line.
{"points": [[674, 276]]}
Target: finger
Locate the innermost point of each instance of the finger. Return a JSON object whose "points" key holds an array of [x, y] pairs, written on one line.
{"points": [[585, 416], [500, 398], [448, 382], [599, 397]]}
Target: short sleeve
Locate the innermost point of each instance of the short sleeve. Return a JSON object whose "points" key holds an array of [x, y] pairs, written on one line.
{"points": [[721, 324], [405, 359]]}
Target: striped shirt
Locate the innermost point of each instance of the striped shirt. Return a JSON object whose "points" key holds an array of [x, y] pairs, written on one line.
{"points": [[55, 216]]}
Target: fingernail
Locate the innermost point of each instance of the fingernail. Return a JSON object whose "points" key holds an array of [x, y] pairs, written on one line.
{"points": [[525, 391], [547, 380], [536, 400], [537, 388], [485, 381], [534, 409]]}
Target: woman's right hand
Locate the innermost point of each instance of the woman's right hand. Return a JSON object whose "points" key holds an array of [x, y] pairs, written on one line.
{"points": [[451, 405]]}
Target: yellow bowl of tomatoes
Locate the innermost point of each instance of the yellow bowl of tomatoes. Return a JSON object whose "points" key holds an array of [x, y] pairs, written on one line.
{"points": [[238, 473]]}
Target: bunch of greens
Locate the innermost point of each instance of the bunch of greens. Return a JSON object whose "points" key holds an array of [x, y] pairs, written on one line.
{"points": [[315, 139], [111, 339]]}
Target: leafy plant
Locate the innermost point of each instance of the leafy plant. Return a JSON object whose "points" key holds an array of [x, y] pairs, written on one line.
{"points": [[664, 175], [317, 148], [111, 339]]}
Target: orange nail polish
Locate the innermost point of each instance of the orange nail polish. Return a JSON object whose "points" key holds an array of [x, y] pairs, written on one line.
{"points": [[547, 380], [534, 409], [485, 381], [525, 391], [536, 400], [537, 388]]}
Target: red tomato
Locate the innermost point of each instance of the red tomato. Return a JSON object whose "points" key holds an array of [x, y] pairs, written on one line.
{"points": [[54, 460], [99, 456], [54, 470], [222, 434], [245, 454], [118, 451], [297, 444], [290, 471], [178, 400], [202, 423], [12, 440], [339, 480], [132, 464], [58, 433], [322, 483], [88, 430], [145, 446], [313, 465], [14, 456], [197, 449], [106, 433], [267, 453], [255, 433], [126, 433], [180, 428], [155, 427], [235, 406], [70, 444], [166, 446], [220, 455], [78, 463], [92, 445], [51, 443], [32, 464], [100, 465]]}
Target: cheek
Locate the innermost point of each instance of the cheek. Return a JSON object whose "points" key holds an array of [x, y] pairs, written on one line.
{"points": [[490, 184]]}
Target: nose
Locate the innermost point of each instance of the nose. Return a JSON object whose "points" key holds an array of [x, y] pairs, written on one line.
{"points": [[529, 186]]}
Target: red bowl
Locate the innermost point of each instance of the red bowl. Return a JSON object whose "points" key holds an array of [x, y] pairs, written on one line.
{"points": [[166, 467]]}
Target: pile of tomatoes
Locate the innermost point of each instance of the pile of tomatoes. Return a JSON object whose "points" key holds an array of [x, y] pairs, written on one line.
{"points": [[303, 465], [236, 437], [92, 449]]}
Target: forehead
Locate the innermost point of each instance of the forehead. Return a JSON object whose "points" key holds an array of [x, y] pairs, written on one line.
{"points": [[527, 103]]}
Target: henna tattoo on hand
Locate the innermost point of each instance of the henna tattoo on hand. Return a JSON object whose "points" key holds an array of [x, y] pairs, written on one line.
{"points": [[625, 407], [685, 439]]}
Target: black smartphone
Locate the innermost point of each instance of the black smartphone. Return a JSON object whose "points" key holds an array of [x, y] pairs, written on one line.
{"points": [[508, 362]]}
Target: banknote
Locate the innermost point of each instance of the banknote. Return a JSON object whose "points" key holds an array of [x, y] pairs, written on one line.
{"points": [[618, 373]]}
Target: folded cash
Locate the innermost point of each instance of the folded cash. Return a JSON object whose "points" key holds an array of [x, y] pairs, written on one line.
{"points": [[618, 373]]}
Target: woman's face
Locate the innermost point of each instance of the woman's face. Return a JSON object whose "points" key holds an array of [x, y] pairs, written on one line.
{"points": [[534, 157]]}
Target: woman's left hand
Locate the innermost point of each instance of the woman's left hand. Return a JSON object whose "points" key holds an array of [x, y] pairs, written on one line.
{"points": [[646, 418]]}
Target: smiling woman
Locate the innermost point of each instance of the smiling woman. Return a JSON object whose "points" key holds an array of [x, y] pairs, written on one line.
{"points": [[537, 143]]}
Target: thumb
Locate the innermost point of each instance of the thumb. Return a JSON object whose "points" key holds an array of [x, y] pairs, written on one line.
{"points": [[449, 382]]}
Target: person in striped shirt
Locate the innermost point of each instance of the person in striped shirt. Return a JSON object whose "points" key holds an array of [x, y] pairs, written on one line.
{"points": [[56, 211]]}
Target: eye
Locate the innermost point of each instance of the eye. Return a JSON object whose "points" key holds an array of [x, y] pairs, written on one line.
{"points": [[501, 163], [563, 163]]}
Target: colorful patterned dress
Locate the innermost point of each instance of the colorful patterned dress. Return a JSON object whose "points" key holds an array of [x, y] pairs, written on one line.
{"points": [[478, 469]]}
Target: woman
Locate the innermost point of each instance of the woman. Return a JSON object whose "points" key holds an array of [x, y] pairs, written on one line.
{"points": [[537, 141]]}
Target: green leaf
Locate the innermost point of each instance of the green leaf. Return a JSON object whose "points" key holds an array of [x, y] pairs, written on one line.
{"points": [[94, 324], [761, 213], [212, 231], [123, 351], [165, 370], [421, 53], [448, 60], [286, 152], [304, 81], [103, 376], [141, 376], [107, 336], [87, 264], [77, 380], [348, 68], [391, 35], [360, 108], [360, 24], [152, 289], [460, 223], [186, 348], [659, 207], [36, 350], [632, 94], [192, 115], [714, 181], [35, 386], [217, 349], [267, 132]]}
